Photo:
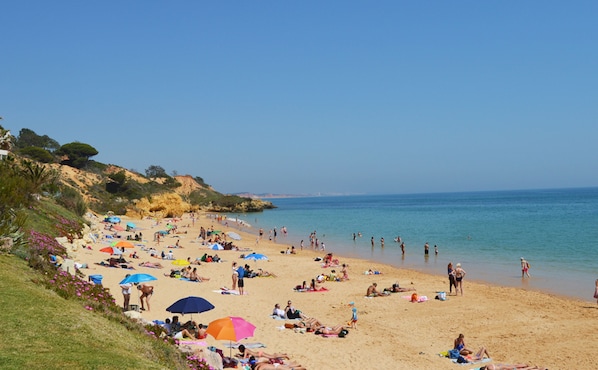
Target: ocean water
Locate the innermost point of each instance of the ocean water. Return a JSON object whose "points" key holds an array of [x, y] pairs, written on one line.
{"points": [[487, 232]]}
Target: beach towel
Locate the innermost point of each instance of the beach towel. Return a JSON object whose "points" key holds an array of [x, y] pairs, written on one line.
{"points": [[232, 292], [247, 345]]}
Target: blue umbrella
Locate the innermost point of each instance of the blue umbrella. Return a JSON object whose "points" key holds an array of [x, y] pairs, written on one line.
{"points": [[131, 225], [138, 278], [190, 305], [113, 219], [216, 247], [163, 232], [255, 257]]}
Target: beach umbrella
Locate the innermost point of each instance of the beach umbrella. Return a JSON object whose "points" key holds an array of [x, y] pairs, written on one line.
{"points": [[138, 278], [118, 228], [233, 235], [230, 328], [216, 232], [122, 244], [256, 257], [190, 305], [163, 232], [180, 262], [112, 219], [131, 225], [216, 247], [111, 250]]}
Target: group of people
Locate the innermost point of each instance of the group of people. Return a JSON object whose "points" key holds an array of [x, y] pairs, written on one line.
{"points": [[455, 276], [290, 312], [146, 293]]}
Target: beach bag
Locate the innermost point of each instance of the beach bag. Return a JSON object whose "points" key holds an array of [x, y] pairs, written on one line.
{"points": [[454, 353], [462, 360], [442, 296]]}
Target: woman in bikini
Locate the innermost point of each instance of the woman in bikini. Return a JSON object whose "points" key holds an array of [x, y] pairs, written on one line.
{"points": [[459, 275]]}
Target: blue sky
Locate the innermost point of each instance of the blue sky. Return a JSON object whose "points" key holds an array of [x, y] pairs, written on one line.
{"points": [[312, 96]]}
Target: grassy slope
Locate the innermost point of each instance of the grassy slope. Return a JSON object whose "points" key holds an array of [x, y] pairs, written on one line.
{"points": [[41, 330]]}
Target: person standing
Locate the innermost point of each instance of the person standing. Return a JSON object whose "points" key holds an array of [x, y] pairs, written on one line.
{"points": [[372, 240], [426, 249], [403, 248], [241, 282], [451, 276], [146, 292], [524, 268], [126, 290], [435, 249], [353, 321], [596, 291], [382, 242], [459, 275], [235, 276]]}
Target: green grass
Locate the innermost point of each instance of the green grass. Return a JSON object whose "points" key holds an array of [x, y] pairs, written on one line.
{"points": [[41, 330], [42, 218]]}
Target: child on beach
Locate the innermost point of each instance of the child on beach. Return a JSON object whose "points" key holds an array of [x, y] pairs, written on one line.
{"points": [[353, 320]]}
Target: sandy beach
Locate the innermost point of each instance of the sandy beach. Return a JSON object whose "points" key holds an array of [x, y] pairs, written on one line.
{"points": [[516, 326]]}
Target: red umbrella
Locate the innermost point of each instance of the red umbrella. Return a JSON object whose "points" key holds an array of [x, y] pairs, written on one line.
{"points": [[111, 250]]}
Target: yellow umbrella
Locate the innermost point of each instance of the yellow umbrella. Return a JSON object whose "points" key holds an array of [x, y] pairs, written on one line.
{"points": [[180, 262]]}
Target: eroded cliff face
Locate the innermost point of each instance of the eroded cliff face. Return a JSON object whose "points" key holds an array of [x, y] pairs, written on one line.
{"points": [[168, 204]]}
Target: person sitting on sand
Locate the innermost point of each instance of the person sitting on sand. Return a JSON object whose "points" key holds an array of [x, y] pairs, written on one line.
{"points": [[396, 288], [460, 345], [374, 292], [247, 353], [277, 311], [292, 313], [194, 277]]}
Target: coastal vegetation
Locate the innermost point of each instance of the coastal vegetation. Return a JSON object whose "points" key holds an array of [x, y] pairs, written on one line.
{"points": [[53, 317]]}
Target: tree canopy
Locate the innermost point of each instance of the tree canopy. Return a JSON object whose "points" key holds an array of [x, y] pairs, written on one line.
{"points": [[154, 171], [77, 154], [28, 138]]}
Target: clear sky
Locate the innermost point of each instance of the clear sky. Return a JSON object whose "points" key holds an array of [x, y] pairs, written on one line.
{"points": [[314, 96]]}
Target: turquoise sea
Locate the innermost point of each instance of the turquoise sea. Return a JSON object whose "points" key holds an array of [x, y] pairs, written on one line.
{"points": [[487, 232]]}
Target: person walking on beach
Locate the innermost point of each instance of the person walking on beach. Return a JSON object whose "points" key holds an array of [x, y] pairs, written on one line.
{"points": [[403, 248], [596, 291], [126, 290], [459, 275], [524, 268]]}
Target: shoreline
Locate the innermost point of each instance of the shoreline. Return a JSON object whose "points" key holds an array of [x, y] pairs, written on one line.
{"points": [[515, 325], [540, 283]]}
